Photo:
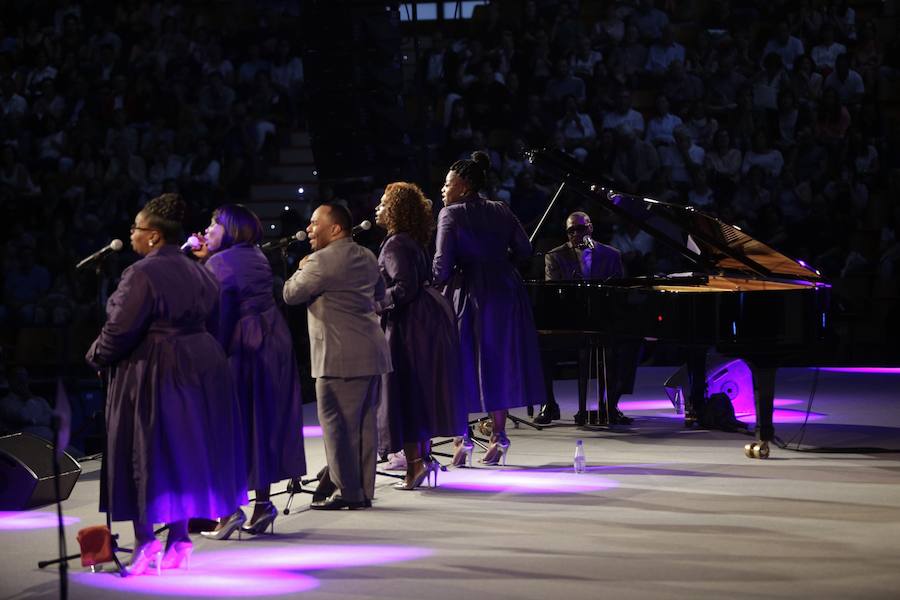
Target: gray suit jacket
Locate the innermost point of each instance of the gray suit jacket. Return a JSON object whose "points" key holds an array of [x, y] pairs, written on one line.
{"points": [[340, 284], [561, 263]]}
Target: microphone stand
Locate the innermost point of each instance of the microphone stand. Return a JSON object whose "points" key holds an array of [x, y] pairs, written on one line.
{"points": [[61, 529]]}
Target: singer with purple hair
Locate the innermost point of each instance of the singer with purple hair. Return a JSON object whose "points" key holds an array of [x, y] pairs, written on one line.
{"points": [[174, 448], [258, 343]]}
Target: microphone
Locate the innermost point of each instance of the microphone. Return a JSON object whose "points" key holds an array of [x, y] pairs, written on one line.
{"points": [[283, 242], [364, 226], [192, 243], [114, 246], [588, 241]]}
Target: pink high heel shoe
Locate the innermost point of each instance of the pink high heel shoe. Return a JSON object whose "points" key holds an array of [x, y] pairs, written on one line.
{"points": [[178, 553], [144, 557]]}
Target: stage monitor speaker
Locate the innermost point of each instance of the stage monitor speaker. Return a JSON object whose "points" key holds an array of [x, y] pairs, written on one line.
{"points": [[729, 376], [26, 472]]}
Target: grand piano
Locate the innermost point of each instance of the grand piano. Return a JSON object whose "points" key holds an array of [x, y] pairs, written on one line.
{"points": [[729, 292]]}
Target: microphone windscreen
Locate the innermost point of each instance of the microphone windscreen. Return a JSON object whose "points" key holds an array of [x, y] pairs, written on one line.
{"points": [[366, 225], [300, 236], [115, 245]]}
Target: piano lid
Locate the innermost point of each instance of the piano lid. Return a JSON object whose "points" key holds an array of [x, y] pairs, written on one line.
{"points": [[706, 241]]}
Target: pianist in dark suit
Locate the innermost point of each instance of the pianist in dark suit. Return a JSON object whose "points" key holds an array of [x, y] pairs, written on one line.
{"points": [[581, 258]]}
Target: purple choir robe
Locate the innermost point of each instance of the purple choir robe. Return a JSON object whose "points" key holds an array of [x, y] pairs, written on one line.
{"points": [[174, 447], [476, 239], [422, 397], [258, 343]]}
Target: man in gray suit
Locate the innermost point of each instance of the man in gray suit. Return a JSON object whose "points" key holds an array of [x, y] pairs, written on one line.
{"points": [[340, 282], [583, 258]]}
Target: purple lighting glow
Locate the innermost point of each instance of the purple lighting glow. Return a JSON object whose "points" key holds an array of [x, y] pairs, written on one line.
{"points": [[202, 582], [311, 431], [309, 558], [644, 404], [867, 370], [28, 519], [268, 571], [747, 414], [524, 482]]}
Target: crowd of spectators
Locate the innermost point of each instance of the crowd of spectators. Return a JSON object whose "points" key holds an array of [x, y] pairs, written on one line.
{"points": [[106, 105], [767, 114], [776, 116]]}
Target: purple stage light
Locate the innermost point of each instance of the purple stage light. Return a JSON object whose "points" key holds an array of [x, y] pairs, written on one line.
{"points": [[524, 482], [29, 519], [205, 582], [785, 416], [866, 370], [644, 404], [260, 571], [748, 414], [311, 431], [309, 558]]}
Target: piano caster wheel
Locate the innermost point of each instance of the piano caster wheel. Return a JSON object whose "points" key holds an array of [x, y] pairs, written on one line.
{"points": [[757, 450], [486, 427]]}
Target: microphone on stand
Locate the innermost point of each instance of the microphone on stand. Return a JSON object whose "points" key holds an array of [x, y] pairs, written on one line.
{"points": [[114, 246], [192, 243], [283, 242], [364, 226]]}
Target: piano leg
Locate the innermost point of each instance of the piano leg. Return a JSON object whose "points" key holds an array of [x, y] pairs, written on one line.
{"points": [[584, 374], [695, 403], [764, 397]]}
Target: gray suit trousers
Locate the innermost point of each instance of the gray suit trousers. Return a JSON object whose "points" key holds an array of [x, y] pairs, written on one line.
{"points": [[346, 408]]}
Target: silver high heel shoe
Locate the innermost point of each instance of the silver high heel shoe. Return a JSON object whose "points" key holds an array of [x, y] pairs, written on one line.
{"points": [[497, 452], [145, 557], [266, 521], [230, 525], [463, 453], [433, 468], [178, 553]]}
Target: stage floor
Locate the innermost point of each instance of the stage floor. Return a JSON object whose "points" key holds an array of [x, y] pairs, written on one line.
{"points": [[663, 512]]}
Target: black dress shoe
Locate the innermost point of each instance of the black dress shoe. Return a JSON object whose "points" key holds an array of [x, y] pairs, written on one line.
{"points": [[618, 418], [549, 412], [336, 502]]}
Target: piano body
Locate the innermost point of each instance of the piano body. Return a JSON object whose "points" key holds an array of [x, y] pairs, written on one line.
{"points": [[733, 293]]}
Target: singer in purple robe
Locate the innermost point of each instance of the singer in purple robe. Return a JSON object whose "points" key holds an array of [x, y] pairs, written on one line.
{"points": [[174, 446], [258, 343], [476, 240], [423, 396]]}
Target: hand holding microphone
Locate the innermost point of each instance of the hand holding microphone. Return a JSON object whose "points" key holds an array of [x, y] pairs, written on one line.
{"points": [[196, 245]]}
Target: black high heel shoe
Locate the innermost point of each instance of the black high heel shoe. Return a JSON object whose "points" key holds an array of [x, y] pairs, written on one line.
{"points": [[266, 521], [230, 525]]}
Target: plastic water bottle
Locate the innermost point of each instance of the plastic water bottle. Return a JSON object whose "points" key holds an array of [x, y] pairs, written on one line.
{"points": [[580, 461]]}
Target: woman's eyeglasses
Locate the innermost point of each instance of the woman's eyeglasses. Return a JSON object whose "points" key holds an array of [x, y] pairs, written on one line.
{"points": [[136, 228]]}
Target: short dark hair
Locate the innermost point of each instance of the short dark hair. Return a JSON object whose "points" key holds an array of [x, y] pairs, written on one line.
{"points": [[241, 224], [166, 213], [474, 170], [340, 215]]}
